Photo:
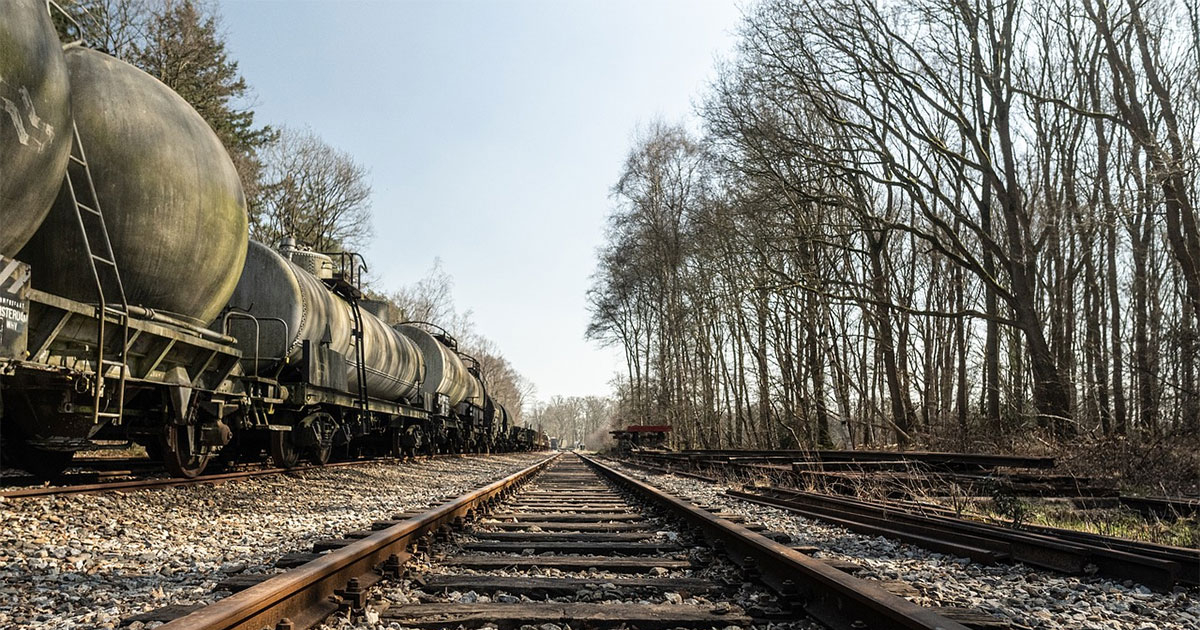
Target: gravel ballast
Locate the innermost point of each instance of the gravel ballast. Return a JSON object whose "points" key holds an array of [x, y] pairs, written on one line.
{"points": [[601, 586], [88, 561], [1023, 595]]}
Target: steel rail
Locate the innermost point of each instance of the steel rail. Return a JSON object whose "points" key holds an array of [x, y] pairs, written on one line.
{"points": [[1156, 566], [833, 597], [986, 460], [306, 595], [171, 482]]}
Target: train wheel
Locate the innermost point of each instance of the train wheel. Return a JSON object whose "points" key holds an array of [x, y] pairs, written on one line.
{"points": [[179, 446], [403, 443], [319, 455], [284, 453]]}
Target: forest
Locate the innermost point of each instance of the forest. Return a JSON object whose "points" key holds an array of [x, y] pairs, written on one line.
{"points": [[953, 223]]}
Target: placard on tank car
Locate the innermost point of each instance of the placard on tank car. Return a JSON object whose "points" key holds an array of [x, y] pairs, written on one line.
{"points": [[14, 307]]}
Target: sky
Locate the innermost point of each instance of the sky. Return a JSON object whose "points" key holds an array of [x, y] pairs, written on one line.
{"points": [[493, 132]]}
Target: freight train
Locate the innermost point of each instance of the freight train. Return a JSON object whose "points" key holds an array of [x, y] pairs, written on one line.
{"points": [[134, 307]]}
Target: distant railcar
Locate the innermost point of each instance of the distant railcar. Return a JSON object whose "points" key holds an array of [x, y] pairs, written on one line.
{"points": [[641, 436]]}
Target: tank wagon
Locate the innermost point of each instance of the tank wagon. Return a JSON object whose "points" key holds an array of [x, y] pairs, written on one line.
{"points": [[134, 308]]}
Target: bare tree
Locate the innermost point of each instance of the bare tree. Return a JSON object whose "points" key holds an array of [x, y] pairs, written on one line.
{"points": [[918, 221], [314, 193]]}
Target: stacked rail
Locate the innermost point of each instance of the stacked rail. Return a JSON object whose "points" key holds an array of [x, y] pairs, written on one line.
{"points": [[1066, 551]]}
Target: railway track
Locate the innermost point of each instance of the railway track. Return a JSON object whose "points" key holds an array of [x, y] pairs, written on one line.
{"points": [[1066, 551], [579, 543], [92, 482], [1160, 567]]}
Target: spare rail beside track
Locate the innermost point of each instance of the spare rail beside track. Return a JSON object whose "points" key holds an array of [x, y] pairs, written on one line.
{"points": [[1067, 551], [900, 472], [947, 460]]}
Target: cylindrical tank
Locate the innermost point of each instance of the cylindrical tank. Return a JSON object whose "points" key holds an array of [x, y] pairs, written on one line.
{"points": [[500, 419], [475, 391], [444, 371], [170, 194], [35, 120], [273, 287], [394, 364]]}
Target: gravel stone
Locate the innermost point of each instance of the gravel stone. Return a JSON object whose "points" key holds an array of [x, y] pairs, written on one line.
{"points": [[88, 561]]}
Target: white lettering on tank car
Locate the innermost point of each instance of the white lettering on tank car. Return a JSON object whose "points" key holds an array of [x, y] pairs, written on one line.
{"points": [[17, 117]]}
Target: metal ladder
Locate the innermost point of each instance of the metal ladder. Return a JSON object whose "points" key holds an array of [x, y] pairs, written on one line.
{"points": [[360, 353], [347, 283], [100, 260]]}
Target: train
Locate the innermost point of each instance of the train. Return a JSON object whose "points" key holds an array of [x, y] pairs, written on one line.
{"points": [[136, 309]]}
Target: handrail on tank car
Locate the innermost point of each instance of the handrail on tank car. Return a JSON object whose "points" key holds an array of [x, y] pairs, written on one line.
{"points": [[51, 6], [449, 340], [257, 329], [346, 262]]}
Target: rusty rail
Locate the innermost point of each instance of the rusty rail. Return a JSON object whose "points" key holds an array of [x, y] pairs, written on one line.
{"points": [[171, 482], [309, 593], [835, 598], [1156, 566]]}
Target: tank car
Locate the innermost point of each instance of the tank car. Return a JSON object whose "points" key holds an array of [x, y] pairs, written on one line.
{"points": [[343, 377], [89, 353], [134, 307]]}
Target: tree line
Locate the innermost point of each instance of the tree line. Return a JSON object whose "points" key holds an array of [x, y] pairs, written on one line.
{"points": [[296, 184], [922, 221], [576, 420]]}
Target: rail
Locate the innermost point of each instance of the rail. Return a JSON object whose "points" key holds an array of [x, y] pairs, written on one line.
{"points": [[1156, 566], [829, 595], [172, 482], [301, 597]]}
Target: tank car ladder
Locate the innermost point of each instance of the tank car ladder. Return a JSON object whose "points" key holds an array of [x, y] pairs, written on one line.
{"points": [[101, 260], [360, 354], [346, 282]]}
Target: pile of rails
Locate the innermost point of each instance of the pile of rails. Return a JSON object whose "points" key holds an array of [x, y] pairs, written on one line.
{"points": [[899, 473], [940, 529]]}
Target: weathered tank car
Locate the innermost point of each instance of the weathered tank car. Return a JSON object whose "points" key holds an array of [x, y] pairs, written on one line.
{"points": [[134, 307], [83, 353], [173, 205]]}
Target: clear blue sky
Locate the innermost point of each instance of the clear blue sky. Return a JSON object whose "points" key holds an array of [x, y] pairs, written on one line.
{"points": [[494, 132]]}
